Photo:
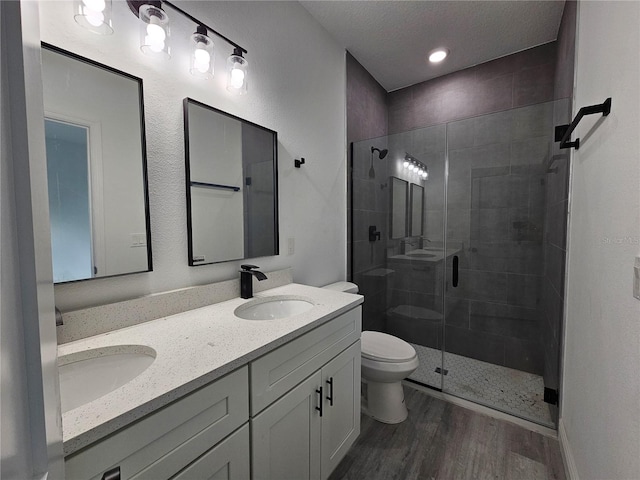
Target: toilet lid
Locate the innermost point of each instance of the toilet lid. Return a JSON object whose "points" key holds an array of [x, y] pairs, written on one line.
{"points": [[385, 348]]}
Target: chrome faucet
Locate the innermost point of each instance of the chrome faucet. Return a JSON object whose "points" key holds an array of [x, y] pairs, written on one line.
{"points": [[246, 280], [59, 321]]}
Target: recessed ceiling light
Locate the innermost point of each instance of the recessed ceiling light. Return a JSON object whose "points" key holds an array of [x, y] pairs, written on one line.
{"points": [[436, 56]]}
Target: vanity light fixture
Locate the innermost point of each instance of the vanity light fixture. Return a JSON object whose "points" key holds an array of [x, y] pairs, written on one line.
{"points": [[94, 15], [203, 54], [154, 40], [154, 30], [415, 166], [237, 69]]}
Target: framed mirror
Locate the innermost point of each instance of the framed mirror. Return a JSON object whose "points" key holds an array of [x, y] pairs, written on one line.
{"points": [[96, 167], [398, 208], [416, 208], [232, 186]]}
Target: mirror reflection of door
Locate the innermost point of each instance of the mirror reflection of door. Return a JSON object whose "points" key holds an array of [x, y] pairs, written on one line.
{"points": [[75, 232]]}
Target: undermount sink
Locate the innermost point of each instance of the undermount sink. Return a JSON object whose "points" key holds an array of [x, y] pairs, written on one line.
{"points": [[88, 375], [272, 308]]}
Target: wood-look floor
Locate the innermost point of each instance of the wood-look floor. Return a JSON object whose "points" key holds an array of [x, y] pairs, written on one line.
{"points": [[440, 440]]}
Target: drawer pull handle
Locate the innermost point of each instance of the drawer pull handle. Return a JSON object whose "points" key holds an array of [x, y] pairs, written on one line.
{"points": [[319, 392], [113, 474], [330, 397]]}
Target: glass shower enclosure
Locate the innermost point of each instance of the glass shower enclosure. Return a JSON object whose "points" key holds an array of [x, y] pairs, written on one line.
{"points": [[453, 263]]}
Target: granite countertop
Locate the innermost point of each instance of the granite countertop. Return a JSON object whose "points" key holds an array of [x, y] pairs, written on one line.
{"points": [[192, 349], [426, 255]]}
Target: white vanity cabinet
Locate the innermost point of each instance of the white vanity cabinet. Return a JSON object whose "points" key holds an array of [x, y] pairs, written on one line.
{"points": [[290, 414], [164, 442], [312, 388]]}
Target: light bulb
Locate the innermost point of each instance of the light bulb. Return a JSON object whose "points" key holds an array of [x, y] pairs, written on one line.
{"points": [[237, 77], [202, 59], [94, 5], [155, 33], [405, 164]]}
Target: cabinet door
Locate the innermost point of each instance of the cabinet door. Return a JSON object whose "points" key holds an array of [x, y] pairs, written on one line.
{"points": [[286, 436], [341, 419], [226, 461]]}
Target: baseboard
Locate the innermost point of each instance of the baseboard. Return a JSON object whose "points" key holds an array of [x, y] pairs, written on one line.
{"points": [[567, 455], [534, 427]]}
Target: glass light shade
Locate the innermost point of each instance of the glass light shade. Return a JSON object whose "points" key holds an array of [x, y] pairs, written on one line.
{"points": [[202, 56], [154, 31], [94, 15], [237, 69], [405, 164]]}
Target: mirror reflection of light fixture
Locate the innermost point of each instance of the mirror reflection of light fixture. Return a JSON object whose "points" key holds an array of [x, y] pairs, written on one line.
{"points": [[94, 15], [154, 30], [415, 166], [237, 69], [202, 56]]}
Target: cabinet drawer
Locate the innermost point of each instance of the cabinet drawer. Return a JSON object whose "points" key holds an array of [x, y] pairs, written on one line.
{"points": [[279, 371], [162, 443], [227, 461]]}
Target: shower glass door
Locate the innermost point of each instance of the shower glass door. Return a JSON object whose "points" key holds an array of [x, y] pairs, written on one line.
{"points": [[494, 216], [397, 235]]}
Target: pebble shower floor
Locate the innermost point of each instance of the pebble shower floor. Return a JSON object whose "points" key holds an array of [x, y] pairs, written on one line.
{"points": [[512, 391]]}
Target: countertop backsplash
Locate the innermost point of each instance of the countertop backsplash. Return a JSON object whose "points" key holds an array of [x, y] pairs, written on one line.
{"points": [[92, 321]]}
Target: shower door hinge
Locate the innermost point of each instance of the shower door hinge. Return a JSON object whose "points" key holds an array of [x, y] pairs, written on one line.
{"points": [[551, 396]]}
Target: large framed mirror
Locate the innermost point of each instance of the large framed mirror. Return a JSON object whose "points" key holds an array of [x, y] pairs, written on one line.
{"points": [[97, 168], [398, 210], [416, 210], [232, 186]]}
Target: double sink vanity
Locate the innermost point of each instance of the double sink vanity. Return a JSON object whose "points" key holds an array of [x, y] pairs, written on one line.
{"points": [[260, 388]]}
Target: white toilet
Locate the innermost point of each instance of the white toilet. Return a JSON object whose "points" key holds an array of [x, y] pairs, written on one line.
{"points": [[386, 361]]}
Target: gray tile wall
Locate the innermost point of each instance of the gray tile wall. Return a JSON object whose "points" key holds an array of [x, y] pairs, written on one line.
{"points": [[495, 209], [366, 118], [517, 80], [556, 206]]}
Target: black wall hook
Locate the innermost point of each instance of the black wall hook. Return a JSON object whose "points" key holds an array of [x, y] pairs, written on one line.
{"points": [[297, 162]]}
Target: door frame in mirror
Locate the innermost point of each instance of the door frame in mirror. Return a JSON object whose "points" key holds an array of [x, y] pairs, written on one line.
{"points": [[396, 183], [143, 146], [188, 182]]}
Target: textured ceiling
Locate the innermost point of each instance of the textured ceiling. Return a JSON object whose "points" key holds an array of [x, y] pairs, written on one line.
{"points": [[391, 39]]}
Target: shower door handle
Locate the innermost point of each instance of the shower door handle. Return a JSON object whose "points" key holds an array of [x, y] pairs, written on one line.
{"points": [[454, 273]]}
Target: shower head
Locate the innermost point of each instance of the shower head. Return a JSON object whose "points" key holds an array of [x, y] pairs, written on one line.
{"points": [[381, 153]]}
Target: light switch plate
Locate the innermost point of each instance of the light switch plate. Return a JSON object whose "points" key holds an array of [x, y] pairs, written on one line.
{"points": [[636, 279]]}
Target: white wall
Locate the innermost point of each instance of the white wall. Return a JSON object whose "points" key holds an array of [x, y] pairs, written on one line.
{"points": [[296, 87], [601, 382]]}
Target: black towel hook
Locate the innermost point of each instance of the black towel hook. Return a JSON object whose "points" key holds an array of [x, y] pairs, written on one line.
{"points": [[297, 162]]}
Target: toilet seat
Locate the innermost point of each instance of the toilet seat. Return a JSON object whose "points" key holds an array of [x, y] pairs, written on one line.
{"points": [[380, 347]]}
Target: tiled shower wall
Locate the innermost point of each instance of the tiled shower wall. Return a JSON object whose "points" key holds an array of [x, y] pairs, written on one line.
{"points": [[495, 213], [366, 118]]}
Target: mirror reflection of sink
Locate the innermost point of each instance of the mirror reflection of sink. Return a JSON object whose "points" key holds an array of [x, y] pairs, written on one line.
{"points": [[88, 375], [272, 308]]}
